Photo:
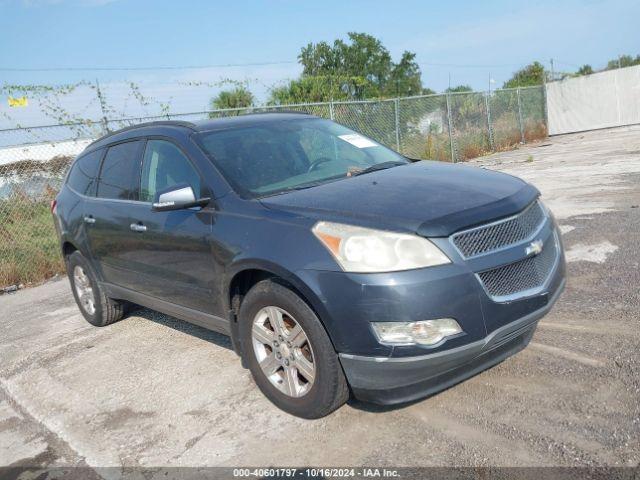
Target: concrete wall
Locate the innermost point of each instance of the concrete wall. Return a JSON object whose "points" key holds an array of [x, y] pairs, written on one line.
{"points": [[42, 151], [602, 100]]}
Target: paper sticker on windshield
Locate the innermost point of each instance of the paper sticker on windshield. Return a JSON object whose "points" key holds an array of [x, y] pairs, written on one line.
{"points": [[358, 140]]}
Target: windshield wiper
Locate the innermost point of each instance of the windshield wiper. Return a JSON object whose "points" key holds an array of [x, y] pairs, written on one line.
{"points": [[378, 166], [304, 186]]}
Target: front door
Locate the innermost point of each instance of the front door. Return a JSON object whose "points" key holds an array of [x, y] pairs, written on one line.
{"points": [[173, 260]]}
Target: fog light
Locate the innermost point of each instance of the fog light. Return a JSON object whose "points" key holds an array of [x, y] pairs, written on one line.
{"points": [[424, 332]]}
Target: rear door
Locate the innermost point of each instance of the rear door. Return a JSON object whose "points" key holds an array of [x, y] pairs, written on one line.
{"points": [[172, 259], [80, 185], [108, 216]]}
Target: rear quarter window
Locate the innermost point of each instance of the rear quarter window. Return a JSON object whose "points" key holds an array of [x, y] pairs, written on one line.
{"points": [[84, 173], [120, 173]]}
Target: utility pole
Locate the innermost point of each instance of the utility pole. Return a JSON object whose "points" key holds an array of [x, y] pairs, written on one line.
{"points": [[553, 75]]}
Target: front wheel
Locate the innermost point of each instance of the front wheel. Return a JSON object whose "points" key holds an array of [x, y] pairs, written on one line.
{"points": [[289, 352]]}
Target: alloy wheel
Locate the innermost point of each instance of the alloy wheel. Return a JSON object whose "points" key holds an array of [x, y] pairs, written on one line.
{"points": [[283, 351], [84, 290]]}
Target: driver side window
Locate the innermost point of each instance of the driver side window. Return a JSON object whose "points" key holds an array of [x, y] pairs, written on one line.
{"points": [[164, 165]]}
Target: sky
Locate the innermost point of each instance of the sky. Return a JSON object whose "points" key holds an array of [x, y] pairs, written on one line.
{"points": [[463, 42]]}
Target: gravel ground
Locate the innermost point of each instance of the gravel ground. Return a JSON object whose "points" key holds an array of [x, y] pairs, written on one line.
{"points": [[154, 391]]}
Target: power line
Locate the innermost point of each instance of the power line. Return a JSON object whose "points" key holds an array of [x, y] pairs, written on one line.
{"points": [[221, 65], [459, 65], [161, 67]]}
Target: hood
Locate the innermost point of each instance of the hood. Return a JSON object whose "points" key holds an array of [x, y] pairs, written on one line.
{"points": [[433, 199]]}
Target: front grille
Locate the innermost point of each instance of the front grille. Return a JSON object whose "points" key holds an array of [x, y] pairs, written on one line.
{"points": [[500, 234], [522, 276]]}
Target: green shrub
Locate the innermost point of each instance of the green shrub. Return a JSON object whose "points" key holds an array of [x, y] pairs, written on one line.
{"points": [[29, 247]]}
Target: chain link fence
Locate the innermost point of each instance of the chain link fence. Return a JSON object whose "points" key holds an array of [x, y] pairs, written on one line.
{"points": [[449, 127]]}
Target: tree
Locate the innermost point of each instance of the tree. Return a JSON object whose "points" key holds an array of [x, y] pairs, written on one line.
{"points": [[321, 88], [239, 97], [623, 61], [356, 69], [585, 70], [532, 74], [459, 89], [405, 77]]}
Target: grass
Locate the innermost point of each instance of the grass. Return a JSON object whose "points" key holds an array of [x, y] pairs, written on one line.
{"points": [[29, 247], [470, 143]]}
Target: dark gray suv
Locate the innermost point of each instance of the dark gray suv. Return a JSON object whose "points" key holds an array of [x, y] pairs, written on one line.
{"points": [[336, 265]]}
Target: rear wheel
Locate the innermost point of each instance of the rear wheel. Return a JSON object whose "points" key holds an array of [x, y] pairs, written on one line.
{"points": [[95, 306], [289, 353]]}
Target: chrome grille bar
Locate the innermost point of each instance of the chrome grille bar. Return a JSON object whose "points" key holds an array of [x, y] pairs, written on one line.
{"points": [[500, 234]]}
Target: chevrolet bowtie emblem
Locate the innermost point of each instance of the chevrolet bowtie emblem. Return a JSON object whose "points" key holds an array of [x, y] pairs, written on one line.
{"points": [[534, 248]]}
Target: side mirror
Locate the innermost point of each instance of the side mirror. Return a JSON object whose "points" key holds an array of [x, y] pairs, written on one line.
{"points": [[177, 197]]}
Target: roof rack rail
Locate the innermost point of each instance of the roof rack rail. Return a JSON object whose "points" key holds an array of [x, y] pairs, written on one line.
{"points": [[280, 110], [170, 123]]}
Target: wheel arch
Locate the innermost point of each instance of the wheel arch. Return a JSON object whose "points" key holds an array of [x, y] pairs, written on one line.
{"points": [[68, 248], [247, 274], [70, 244]]}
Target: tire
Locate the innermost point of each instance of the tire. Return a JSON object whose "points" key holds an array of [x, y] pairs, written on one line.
{"points": [[104, 311], [328, 389]]}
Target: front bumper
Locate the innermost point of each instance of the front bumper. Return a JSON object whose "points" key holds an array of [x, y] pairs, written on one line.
{"points": [[391, 380]]}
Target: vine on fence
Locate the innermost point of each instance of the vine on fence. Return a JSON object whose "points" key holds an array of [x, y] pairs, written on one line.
{"points": [[53, 101]]}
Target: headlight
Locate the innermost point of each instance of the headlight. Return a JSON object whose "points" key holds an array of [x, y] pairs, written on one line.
{"points": [[359, 249], [425, 332]]}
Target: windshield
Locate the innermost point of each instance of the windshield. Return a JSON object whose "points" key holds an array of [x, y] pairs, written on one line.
{"points": [[273, 157]]}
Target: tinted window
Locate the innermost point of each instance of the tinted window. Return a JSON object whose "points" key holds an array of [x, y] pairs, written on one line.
{"points": [[164, 166], [84, 174], [282, 155], [120, 172]]}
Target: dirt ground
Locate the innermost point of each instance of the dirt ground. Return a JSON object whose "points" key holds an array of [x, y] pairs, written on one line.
{"points": [[154, 391]]}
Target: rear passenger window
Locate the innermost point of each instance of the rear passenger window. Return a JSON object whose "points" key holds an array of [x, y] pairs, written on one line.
{"points": [[84, 173], [120, 172]]}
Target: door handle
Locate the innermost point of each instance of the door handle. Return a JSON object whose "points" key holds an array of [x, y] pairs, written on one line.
{"points": [[138, 227], [89, 219]]}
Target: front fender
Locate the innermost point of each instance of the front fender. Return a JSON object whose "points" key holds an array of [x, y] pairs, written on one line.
{"points": [[306, 292]]}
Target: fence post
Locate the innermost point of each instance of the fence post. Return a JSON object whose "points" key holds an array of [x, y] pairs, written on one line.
{"points": [[331, 114], [103, 108], [449, 123], [397, 112], [544, 105], [486, 104], [520, 116]]}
